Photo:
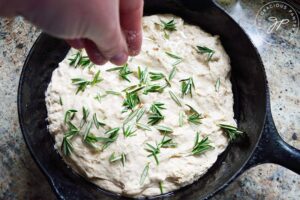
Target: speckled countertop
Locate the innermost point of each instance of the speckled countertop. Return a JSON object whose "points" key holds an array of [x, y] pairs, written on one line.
{"points": [[21, 179]]}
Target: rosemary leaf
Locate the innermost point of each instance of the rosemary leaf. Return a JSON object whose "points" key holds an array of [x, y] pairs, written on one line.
{"points": [[60, 101], [181, 116], [175, 98], [231, 131], [217, 85], [172, 73], [140, 114], [87, 130], [143, 126], [176, 57], [112, 131], [161, 187], [144, 173], [113, 92], [164, 129], [121, 157]]}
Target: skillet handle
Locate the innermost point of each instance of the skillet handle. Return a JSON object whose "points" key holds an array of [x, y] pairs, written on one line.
{"points": [[273, 149]]}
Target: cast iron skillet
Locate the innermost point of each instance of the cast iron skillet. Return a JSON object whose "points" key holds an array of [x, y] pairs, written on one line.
{"points": [[251, 106]]}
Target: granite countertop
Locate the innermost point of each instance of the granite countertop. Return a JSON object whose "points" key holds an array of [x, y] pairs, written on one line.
{"points": [[21, 179]]}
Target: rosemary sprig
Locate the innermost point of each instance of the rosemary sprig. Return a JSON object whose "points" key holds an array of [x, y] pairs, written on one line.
{"points": [[123, 71], [194, 116], [82, 83], [231, 131], [145, 173], [69, 115], [201, 146], [97, 122], [76, 58], [66, 146], [206, 50], [217, 85], [168, 26], [157, 107], [79, 60], [114, 158], [98, 97], [167, 142], [175, 98], [128, 132], [176, 57], [96, 79], [143, 126], [131, 101], [164, 129], [155, 150], [113, 135], [155, 118], [154, 76], [154, 88], [172, 73], [92, 139], [143, 75], [72, 130], [155, 113], [186, 86]]}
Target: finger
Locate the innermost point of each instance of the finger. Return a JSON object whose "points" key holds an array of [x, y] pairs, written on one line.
{"points": [[76, 43], [93, 53], [108, 37], [131, 12]]}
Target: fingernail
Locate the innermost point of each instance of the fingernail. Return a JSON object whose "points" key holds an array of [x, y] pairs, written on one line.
{"points": [[119, 59]]}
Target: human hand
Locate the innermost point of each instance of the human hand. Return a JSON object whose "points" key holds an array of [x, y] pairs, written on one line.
{"points": [[109, 30]]}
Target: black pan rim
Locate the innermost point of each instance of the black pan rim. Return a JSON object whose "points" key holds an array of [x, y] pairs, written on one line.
{"points": [[48, 176]]}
